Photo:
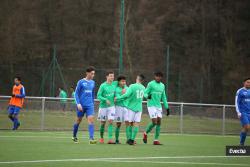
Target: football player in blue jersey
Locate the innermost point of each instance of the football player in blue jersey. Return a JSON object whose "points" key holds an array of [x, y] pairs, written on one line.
{"points": [[84, 97], [242, 104]]}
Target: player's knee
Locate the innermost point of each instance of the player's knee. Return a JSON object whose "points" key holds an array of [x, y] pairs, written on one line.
{"points": [[90, 120], [247, 128], [136, 124], [154, 122], [158, 122], [78, 120], [127, 123], [118, 124]]}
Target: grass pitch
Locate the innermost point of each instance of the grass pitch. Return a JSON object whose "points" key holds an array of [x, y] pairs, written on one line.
{"points": [[29, 148]]}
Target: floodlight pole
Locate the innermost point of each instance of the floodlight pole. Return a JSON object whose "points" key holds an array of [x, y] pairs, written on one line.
{"points": [[121, 37], [167, 68], [53, 71]]}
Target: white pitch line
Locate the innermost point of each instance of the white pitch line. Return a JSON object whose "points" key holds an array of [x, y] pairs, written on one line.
{"points": [[57, 137], [117, 159], [173, 162], [195, 135]]}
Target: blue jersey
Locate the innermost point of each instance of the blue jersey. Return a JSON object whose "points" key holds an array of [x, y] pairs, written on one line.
{"points": [[85, 93], [242, 101]]}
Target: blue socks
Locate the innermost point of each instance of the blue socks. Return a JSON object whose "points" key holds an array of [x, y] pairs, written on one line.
{"points": [[15, 123], [75, 129], [243, 136], [91, 131]]}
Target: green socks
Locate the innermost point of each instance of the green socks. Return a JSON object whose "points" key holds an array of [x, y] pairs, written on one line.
{"points": [[150, 127], [157, 131], [110, 131], [134, 132], [127, 132], [101, 130], [117, 132]]}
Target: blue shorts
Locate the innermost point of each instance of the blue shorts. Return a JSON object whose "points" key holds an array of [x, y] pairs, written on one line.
{"points": [[13, 110], [245, 119], [88, 110]]}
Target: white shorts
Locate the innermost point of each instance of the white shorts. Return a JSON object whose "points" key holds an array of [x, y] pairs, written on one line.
{"points": [[121, 114], [134, 116], [155, 112], [106, 114]]}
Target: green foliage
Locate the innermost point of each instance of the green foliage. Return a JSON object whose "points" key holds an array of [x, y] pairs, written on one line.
{"points": [[209, 41]]}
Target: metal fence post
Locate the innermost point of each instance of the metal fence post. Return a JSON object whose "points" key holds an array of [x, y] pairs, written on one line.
{"points": [[181, 119], [42, 113], [223, 119]]}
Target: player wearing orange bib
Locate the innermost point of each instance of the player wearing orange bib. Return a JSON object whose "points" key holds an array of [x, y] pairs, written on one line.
{"points": [[16, 102]]}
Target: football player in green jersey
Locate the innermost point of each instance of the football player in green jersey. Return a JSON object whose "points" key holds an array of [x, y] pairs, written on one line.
{"points": [[121, 111], [155, 93], [106, 94], [134, 96]]}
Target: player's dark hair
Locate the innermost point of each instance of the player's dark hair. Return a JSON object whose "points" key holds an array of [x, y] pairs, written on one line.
{"points": [[18, 78], [121, 77], [109, 72], [72, 87], [61, 88], [246, 79], [158, 74], [90, 69], [141, 77]]}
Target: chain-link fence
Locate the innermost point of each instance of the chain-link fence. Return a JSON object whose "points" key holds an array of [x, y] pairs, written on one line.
{"points": [[187, 87], [45, 113]]}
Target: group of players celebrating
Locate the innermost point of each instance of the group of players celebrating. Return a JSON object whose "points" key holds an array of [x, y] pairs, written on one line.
{"points": [[120, 103]]}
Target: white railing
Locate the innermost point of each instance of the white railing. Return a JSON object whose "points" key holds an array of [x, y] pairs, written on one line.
{"points": [[179, 112]]}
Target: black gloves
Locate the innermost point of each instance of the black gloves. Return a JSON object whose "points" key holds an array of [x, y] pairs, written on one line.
{"points": [[168, 112]]}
